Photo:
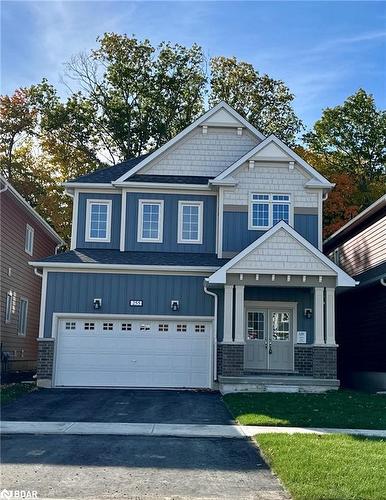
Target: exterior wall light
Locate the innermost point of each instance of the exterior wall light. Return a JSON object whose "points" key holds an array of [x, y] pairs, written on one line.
{"points": [[175, 305], [97, 303], [308, 313]]}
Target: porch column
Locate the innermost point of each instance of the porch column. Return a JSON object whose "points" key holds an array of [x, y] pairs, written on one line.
{"points": [[318, 316], [228, 314], [239, 314], [330, 316]]}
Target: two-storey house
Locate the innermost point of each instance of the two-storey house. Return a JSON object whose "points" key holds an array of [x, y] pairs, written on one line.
{"points": [[196, 264], [25, 235]]}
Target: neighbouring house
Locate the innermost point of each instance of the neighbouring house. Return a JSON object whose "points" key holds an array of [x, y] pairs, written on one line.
{"points": [[359, 248], [196, 266], [24, 236]]}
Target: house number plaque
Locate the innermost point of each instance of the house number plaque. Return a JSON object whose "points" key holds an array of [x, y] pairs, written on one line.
{"points": [[135, 303]]}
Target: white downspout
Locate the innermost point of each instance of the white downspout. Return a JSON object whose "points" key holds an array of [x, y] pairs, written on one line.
{"points": [[37, 272], [383, 281], [215, 331]]}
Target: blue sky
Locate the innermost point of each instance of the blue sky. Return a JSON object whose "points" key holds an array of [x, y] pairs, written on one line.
{"points": [[324, 51]]}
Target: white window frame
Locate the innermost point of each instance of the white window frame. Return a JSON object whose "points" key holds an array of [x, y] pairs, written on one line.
{"points": [[8, 306], [88, 237], [270, 202], [181, 205], [159, 238], [22, 328], [29, 239]]}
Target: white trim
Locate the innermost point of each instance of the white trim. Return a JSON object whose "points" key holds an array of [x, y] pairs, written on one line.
{"points": [[200, 205], [343, 279], [63, 266], [330, 316], [178, 137], [272, 138], [239, 314], [228, 314], [89, 203], [220, 221], [75, 215], [320, 220], [319, 316], [166, 185], [40, 219], [8, 317], [19, 332], [159, 238], [88, 186], [43, 304], [270, 202], [123, 221], [29, 240]]}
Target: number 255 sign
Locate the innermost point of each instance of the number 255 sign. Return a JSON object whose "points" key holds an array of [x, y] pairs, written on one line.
{"points": [[135, 303]]}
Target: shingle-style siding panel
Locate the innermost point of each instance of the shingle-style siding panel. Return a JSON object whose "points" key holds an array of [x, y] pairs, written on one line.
{"points": [[365, 250], [281, 252], [115, 220], [170, 227], [74, 293], [273, 178], [237, 236], [17, 276], [203, 154], [303, 296]]}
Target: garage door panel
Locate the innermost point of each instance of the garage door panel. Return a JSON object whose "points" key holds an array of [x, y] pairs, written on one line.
{"points": [[158, 353]]}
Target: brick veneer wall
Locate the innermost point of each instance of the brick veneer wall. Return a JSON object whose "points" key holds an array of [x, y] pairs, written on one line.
{"points": [[45, 359], [310, 361]]}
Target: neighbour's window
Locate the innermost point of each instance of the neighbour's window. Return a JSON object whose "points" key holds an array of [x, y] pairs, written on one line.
{"points": [[190, 222], [23, 312], [98, 220], [266, 210], [150, 221], [8, 306], [29, 239]]}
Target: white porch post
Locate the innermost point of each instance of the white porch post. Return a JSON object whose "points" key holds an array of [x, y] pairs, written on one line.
{"points": [[330, 316], [319, 316], [239, 314], [228, 314]]}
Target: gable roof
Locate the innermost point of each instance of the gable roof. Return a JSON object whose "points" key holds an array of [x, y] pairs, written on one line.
{"points": [[343, 279], [108, 174], [6, 186], [221, 106], [321, 182]]}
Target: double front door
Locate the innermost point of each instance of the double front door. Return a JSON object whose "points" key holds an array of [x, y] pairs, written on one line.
{"points": [[269, 339]]}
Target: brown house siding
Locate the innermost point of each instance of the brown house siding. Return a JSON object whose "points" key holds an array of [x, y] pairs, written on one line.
{"points": [[17, 276]]}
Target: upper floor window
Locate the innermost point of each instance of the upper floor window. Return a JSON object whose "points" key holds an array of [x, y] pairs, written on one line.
{"points": [[150, 221], [98, 220], [29, 239], [266, 210], [190, 221], [8, 306], [22, 322]]}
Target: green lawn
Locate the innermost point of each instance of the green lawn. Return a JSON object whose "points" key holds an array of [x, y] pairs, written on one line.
{"points": [[13, 391], [340, 409], [338, 467]]}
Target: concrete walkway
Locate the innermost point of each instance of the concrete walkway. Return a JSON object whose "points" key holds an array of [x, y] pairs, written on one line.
{"points": [[170, 430]]}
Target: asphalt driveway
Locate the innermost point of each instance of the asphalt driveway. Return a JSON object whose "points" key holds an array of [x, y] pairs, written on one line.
{"points": [[119, 405], [101, 467]]}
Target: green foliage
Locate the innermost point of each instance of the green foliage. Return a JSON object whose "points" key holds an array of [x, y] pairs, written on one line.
{"points": [[263, 101], [13, 391]]}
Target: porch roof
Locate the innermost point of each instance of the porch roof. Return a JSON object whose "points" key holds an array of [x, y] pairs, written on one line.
{"points": [[282, 250]]}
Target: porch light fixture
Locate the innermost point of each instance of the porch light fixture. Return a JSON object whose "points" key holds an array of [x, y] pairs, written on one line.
{"points": [[308, 313], [97, 303], [175, 305]]}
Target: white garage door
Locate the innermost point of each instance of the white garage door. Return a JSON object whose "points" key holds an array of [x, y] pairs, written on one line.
{"points": [[133, 353]]}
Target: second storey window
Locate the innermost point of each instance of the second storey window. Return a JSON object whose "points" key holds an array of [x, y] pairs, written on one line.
{"points": [[266, 210], [29, 239], [150, 221], [98, 220], [190, 222]]}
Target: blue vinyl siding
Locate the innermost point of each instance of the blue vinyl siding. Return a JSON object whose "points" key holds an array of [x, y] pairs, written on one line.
{"points": [[307, 226], [303, 296], [170, 226], [74, 293], [115, 220], [237, 236]]}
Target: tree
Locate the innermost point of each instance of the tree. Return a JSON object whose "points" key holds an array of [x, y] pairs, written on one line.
{"points": [[351, 139], [263, 101]]}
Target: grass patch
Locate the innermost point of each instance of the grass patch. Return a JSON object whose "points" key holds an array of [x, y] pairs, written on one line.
{"points": [[13, 391], [338, 467], [340, 409]]}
